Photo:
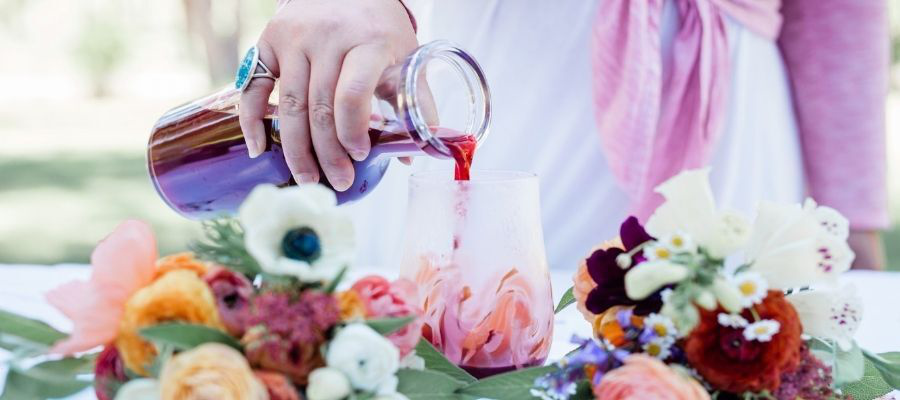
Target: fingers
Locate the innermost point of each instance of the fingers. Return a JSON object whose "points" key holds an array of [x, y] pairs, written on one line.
{"points": [[331, 154], [293, 113], [362, 68], [254, 101]]}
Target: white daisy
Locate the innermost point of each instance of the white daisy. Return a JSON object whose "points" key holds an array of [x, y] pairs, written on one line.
{"points": [[732, 320], [751, 286], [658, 347], [661, 326], [297, 231], [679, 242], [762, 331], [657, 251]]}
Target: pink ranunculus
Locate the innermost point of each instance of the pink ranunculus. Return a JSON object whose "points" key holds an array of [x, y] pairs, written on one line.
{"points": [[384, 299], [646, 378], [233, 292], [109, 373], [122, 263]]}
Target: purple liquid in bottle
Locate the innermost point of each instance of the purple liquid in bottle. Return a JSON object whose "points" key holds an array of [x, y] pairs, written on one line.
{"points": [[199, 163]]}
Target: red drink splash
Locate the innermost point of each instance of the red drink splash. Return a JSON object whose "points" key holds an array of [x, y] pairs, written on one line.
{"points": [[462, 148]]}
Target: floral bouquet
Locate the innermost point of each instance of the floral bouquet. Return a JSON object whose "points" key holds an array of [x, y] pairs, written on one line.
{"points": [[253, 312], [701, 304]]}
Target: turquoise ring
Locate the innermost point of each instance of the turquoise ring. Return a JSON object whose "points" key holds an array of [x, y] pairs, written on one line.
{"points": [[251, 67]]}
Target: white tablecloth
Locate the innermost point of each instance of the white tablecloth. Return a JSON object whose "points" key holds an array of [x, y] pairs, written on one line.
{"points": [[22, 288]]}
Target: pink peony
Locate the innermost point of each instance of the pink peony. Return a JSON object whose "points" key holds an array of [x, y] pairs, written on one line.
{"points": [[384, 299], [646, 378], [109, 373], [233, 292], [122, 263]]}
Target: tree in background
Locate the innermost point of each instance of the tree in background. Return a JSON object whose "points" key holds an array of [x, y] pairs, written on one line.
{"points": [[217, 26], [100, 49]]}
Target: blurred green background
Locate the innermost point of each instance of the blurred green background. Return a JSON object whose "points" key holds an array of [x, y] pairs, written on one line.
{"points": [[82, 83]]}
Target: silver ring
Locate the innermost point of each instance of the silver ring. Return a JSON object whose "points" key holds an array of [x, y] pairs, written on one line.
{"points": [[251, 67]]}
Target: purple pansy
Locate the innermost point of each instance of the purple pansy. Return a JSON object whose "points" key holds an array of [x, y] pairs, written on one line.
{"points": [[610, 277]]}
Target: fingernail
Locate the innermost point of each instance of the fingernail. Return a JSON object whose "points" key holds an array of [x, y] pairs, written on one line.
{"points": [[255, 148], [342, 183], [305, 177], [359, 155]]}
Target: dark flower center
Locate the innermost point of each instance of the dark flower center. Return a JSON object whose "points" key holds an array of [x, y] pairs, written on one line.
{"points": [[301, 244], [736, 347]]}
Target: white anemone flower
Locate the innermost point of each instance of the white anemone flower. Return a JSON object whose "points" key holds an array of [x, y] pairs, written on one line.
{"points": [[690, 208], [762, 331], [829, 313], [297, 231], [790, 247]]}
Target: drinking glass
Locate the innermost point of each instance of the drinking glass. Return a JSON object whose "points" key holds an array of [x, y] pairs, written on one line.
{"points": [[476, 250]]}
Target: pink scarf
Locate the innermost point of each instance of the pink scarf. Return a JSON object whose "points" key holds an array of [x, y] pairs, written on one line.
{"points": [[655, 124]]}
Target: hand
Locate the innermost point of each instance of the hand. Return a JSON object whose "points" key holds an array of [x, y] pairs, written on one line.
{"points": [[869, 249], [329, 56]]}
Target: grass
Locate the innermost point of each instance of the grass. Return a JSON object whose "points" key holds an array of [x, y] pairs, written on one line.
{"points": [[54, 210]]}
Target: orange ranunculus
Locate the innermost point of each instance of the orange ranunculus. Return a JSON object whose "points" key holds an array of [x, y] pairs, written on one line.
{"points": [[606, 325], [184, 260], [351, 305], [179, 295], [210, 371], [583, 284], [730, 362], [646, 378]]}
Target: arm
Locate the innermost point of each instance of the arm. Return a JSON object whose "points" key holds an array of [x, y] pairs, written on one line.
{"points": [[836, 52]]}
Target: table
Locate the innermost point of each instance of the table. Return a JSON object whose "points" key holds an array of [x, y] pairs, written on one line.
{"points": [[22, 288]]}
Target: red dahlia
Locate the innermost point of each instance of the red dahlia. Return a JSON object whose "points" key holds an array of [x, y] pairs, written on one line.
{"points": [[730, 362]]}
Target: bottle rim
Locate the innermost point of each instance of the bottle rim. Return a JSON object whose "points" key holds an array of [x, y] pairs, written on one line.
{"points": [[468, 69]]}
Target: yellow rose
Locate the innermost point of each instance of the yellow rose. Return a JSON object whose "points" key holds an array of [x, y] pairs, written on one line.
{"points": [[211, 371], [178, 296], [184, 260]]}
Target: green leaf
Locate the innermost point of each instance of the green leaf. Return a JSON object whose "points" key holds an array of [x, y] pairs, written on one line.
{"points": [[427, 385], [888, 365], [387, 326], [29, 329], [332, 286], [69, 366], [223, 243], [846, 366], [187, 336], [36, 383], [513, 385], [435, 361], [567, 299], [871, 386]]}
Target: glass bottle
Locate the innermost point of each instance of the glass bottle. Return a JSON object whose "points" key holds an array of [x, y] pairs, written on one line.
{"points": [[199, 164], [475, 250]]}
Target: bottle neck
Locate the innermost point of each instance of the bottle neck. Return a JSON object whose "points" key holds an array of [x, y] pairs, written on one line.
{"points": [[417, 102]]}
